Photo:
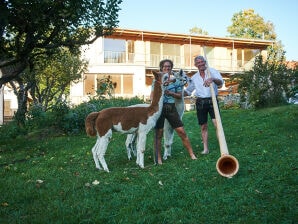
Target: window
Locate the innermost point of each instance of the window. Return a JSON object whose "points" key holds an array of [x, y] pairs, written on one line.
{"points": [[155, 54], [159, 51], [122, 83], [245, 57], [127, 84], [114, 45], [172, 51], [130, 50], [114, 51], [89, 85], [190, 52]]}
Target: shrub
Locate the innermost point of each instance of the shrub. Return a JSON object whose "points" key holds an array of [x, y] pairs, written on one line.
{"points": [[74, 120], [63, 118], [36, 117], [10, 131], [269, 83]]}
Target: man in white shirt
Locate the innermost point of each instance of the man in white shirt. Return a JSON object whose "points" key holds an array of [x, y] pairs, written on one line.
{"points": [[200, 83]]}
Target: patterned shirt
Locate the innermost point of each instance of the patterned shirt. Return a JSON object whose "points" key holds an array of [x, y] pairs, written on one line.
{"points": [[173, 87]]}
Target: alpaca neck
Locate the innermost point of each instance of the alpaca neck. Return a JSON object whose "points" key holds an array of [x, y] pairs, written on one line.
{"points": [[157, 100], [157, 94]]}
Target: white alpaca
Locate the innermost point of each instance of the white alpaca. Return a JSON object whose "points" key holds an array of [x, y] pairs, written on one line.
{"points": [[127, 120], [180, 106], [168, 130]]}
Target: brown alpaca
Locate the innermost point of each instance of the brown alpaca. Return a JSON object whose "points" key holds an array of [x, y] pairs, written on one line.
{"points": [[125, 120], [168, 130]]}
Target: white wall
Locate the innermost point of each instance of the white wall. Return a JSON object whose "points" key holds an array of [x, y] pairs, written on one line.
{"points": [[139, 80], [9, 95]]}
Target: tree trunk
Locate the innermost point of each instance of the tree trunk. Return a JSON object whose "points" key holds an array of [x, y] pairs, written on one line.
{"points": [[22, 96], [20, 115]]}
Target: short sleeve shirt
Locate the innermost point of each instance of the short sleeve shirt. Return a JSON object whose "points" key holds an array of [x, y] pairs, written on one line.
{"points": [[173, 87]]}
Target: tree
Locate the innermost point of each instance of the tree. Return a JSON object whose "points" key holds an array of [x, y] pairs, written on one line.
{"points": [[198, 31], [27, 25], [30, 28], [52, 76], [268, 83], [248, 24], [46, 81]]}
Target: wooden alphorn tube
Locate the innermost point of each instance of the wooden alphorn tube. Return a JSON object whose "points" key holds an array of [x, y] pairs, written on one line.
{"points": [[227, 165]]}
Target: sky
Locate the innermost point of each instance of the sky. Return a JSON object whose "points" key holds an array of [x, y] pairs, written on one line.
{"points": [[213, 16]]}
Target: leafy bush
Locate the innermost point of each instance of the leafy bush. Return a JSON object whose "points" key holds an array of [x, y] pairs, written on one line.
{"points": [[10, 131], [74, 120], [62, 117], [57, 113], [36, 117], [269, 83]]}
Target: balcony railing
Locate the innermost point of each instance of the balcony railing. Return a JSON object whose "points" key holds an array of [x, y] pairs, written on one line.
{"points": [[153, 60]]}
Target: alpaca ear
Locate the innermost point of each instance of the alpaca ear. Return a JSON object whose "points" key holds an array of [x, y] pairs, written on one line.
{"points": [[165, 77], [155, 74], [181, 72]]}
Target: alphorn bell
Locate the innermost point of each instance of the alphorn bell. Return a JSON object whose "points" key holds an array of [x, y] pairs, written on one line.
{"points": [[227, 165]]}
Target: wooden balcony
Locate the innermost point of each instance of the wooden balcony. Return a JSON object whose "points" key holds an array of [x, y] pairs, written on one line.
{"points": [[152, 61]]}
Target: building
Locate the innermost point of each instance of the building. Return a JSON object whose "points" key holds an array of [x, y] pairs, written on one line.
{"points": [[129, 56]]}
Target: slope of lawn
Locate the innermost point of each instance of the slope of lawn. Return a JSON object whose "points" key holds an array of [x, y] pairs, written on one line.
{"points": [[54, 180]]}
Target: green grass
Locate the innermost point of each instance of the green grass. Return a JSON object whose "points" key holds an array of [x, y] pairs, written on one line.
{"points": [[180, 191]]}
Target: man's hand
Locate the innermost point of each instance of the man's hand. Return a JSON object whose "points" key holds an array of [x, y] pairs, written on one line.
{"points": [[208, 82]]}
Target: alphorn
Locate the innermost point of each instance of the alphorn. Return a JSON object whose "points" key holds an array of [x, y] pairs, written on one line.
{"points": [[227, 165]]}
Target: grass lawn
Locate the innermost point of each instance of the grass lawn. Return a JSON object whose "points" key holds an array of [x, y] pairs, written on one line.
{"points": [[54, 180]]}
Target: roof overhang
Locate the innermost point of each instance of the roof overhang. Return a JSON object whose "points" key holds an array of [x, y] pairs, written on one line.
{"points": [[202, 40]]}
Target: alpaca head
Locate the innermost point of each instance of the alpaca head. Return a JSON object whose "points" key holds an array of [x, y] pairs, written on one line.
{"points": [[181, 75], [160, 77]]}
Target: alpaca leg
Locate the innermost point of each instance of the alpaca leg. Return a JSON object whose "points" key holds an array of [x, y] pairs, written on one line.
{"points": [[169, 131], [130, 145], [104, 142], [180, 107], [94, 153], [138, 154], [133, 144], [168, 139], [138, 157], [141, 145]]}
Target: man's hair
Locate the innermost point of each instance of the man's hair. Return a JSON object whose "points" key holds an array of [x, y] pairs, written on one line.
{"points": [[199, 57], [162, 62]]}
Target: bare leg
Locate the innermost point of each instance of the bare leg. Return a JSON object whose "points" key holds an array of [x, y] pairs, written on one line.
{"points": [[185, 140], [157, 145], [204, 132]]}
